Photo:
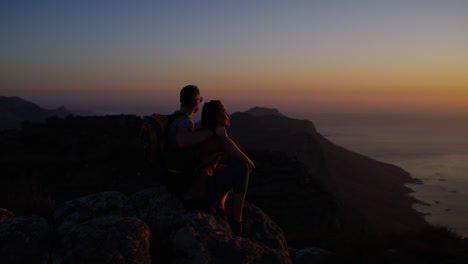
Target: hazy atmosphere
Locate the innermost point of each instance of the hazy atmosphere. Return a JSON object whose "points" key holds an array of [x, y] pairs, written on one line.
{"points": [[301, 57], [341, 137]]}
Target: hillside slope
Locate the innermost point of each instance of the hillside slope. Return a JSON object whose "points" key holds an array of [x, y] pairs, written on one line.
{"points": [[14, 110], [371, 195]]}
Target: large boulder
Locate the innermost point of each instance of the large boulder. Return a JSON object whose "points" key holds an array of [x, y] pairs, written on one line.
{"points": [[107, 239], [163, 213], [82, 209], [182, 236], [5, 214], [208, 239], [24, 239], [159, 209], [96, 229]]}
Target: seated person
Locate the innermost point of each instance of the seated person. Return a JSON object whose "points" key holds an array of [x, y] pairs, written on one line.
{"points": [[214, 180], [184, 143]]}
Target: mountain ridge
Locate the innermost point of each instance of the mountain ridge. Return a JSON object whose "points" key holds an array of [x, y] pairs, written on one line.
{"points": [[371, 195], [264, 111], [15, 110]]}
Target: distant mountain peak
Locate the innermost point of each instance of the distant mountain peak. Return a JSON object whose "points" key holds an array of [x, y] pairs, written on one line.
{"points": [[15, 103], [14, 110], [11, 99], [264, 111]]}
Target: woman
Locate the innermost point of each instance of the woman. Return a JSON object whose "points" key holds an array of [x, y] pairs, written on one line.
{"points": [[215, 180]]}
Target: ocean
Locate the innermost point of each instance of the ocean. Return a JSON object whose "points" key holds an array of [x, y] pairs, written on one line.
{"points": [[435, 152]]}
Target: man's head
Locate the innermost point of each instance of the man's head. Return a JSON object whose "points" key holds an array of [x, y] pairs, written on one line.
{"points": [[189, 96]]}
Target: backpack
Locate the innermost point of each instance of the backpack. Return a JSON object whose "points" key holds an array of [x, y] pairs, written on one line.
{"points": [[153, 136]]}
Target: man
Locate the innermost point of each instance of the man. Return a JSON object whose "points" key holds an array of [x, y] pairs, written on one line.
{"points": [[184, 143]]}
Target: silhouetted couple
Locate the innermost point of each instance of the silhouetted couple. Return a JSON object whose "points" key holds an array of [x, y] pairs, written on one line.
{"points": [[215, 164]]}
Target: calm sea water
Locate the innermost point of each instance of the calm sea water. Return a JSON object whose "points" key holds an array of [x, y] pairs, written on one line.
{"points": [[434, 152]]}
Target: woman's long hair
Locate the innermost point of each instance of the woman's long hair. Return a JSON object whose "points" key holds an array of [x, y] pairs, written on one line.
{"points": [[209, 113]]}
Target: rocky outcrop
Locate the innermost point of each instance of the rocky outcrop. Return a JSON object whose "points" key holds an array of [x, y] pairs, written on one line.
{"points": [[207, 239], [151, 226], [24, 239], [80, 210], [199, 237], [106, 239], [95, 229]]}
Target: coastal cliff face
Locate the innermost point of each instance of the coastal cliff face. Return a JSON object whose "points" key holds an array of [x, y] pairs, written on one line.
{"points": [[370, 195], [292, 197]]}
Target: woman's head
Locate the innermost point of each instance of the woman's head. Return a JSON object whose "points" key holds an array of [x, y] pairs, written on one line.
{"points": [[214, 114]]}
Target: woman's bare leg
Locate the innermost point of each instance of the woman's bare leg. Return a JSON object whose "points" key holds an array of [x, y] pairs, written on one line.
{"points": [[222, 201], [238, 206]]}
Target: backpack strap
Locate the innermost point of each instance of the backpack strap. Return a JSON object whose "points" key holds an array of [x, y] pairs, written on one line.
{"points": [[172, 117]]}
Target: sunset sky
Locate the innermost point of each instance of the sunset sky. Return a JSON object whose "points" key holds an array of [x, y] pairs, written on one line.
{"points": [[298, 56]]}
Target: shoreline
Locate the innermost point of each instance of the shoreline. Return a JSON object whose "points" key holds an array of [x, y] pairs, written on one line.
{"points": [[373, 194]]}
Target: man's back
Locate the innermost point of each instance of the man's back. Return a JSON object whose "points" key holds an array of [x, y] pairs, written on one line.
{"points": [[181, 122]]}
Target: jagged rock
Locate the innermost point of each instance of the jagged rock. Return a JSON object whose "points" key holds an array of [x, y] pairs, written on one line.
{"points": [[5, 214], [259, 228], [107, 239], [158, 208], [100, 228], [82, 209], [208, 239], [95, 229], [309, 255], [199, 237], [162, 212], [24, 239]]}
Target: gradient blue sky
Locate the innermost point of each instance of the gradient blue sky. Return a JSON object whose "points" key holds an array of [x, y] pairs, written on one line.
{"points": [[298, 56]]}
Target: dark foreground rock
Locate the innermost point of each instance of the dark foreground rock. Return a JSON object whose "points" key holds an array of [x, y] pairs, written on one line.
{"points": [[150, 226], [207, 239], [95, 229], [107, 239], [77, 211], [24, 239], [199, 237]]}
